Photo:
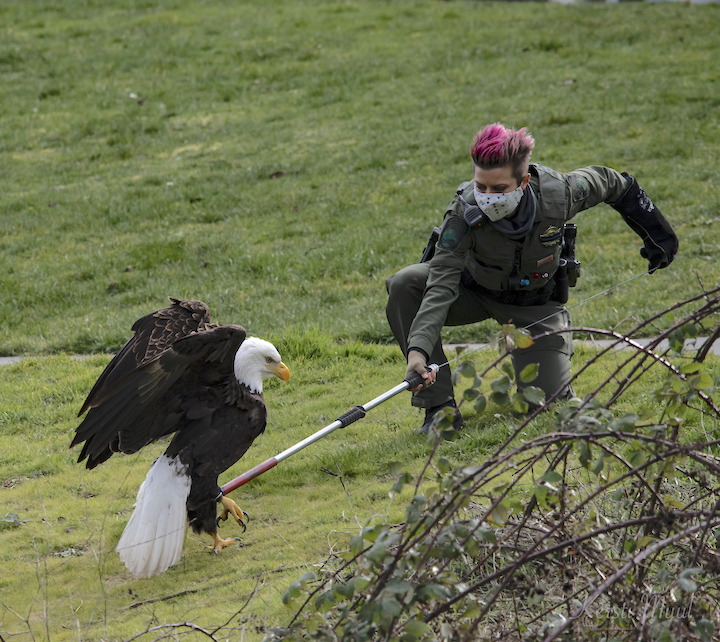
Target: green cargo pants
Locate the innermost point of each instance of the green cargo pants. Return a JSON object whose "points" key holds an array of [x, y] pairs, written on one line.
{"points": [[405, 292]]}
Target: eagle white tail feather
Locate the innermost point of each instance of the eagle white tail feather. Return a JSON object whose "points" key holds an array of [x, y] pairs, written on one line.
{"points": [[153, 538]]}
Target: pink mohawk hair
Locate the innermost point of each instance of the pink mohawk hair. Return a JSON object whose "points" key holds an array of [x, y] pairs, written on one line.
{"points": [[498, 146]]}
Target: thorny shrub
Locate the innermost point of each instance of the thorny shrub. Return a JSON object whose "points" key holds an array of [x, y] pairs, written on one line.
{"points": [[605, 527]]}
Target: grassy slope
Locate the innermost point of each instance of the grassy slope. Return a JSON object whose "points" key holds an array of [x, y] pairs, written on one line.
{"points": [[367, 110], [61, 559]]}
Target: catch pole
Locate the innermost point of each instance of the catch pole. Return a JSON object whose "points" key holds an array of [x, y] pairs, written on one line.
{"points": [[358, 412]]}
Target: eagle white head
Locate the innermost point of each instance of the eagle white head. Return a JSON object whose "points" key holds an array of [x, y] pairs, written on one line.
{"points": [[257, 359]]}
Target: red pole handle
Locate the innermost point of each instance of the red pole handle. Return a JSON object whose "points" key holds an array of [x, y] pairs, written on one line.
{"points": [[247, 476]]}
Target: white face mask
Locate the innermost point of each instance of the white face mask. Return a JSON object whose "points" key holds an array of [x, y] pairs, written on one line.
{"points": [[497, 206]]}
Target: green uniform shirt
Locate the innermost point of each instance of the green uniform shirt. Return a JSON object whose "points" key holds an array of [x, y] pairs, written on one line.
{"points": [[498, 263]]}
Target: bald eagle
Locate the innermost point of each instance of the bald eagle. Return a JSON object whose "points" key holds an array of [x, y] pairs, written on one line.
{"points": [[202, 383]]}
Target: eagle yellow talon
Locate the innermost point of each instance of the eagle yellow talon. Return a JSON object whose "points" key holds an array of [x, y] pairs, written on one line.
{"points": [[219, 543], [231, 508]]}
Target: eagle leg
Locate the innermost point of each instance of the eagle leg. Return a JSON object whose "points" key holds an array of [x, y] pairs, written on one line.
{"points": [[219, 543], [231, 508]]}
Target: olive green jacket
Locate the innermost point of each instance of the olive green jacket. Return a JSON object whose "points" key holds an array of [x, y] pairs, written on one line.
{"points": [[498, 263]]}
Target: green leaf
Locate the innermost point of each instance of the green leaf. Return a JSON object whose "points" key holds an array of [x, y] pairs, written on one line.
{"points": [[508, 370], [636, 458], [705, 630], [501, 386], [450, 435], [324, 602], [443, 465], [480, 404], [519, 403], [598, 466], [470, 394], [416, 628], [397, 487], [529, 372], [356, 544], [541, 493], [685, 581], [467, 369], [624, 424], [395, 468], [360, 583], [486, 534], [391, 608], [376, 554], [501, 399], [677, 340], [397, 584], [584, 454], [686, 584], [292, 592], [371, 533], [414, 510], [673, 501], [551, 477], [521, 338], [513, 503], [472, 548], [705, 381], [534, 395], [444, 419], [691, 367], [343, 590], [500, 514]]}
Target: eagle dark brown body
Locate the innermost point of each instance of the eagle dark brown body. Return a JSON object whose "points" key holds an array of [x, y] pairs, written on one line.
{"points": [[178, 375]]}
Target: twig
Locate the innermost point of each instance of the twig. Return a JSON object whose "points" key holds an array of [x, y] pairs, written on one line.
{"points": [[173, 628], [622, 571], [210, 587]]}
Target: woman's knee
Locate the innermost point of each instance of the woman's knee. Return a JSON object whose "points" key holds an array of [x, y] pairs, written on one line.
{"points": [[409, 280]]}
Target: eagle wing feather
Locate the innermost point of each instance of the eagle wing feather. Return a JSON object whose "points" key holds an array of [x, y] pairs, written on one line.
{"points": [[132, 411], [153, 334]]}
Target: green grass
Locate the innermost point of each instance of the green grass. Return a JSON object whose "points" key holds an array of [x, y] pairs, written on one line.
{"points": [[59, 575], [279, 161], [59, 568]]}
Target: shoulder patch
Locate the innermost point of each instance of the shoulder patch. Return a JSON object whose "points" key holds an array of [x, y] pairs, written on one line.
{"points": [[453, 232], [579, 187]]}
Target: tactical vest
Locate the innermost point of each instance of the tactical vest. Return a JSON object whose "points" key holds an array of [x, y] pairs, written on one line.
{"points": [[502, 265]]}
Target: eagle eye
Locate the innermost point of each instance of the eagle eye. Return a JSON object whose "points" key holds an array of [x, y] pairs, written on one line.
{"points": [[268, 359]]}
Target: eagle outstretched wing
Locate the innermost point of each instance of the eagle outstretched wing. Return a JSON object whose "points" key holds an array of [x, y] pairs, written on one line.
{"points": [[138, 404], [153, 334]]}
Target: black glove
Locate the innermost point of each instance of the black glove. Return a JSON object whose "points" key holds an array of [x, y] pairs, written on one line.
{"points": [[645, 219]]}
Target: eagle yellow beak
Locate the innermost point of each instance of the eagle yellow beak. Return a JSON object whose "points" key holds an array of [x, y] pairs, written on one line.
{"points": [[281, 371]]}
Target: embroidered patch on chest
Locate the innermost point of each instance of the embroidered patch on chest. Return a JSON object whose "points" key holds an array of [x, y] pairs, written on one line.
{"points": [[453, 233], [551, 236]]}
